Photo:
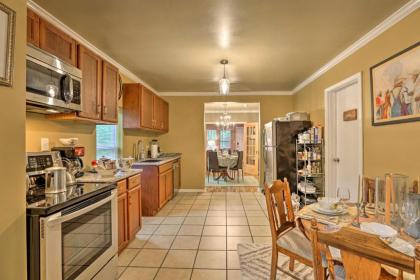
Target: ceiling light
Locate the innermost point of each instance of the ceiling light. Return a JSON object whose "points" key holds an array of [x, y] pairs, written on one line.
{"points": [[224, 83]]}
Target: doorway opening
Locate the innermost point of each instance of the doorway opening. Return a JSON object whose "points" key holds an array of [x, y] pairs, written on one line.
{"points": [[344, 129], [232, 133]]}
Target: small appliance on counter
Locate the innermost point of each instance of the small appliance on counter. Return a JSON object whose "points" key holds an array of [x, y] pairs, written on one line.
{"points": [[56, 219], [154, 148], [71, 158]]}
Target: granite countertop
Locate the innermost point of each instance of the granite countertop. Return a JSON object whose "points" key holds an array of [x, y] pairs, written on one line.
{"points": [[97, 178], [155, 162]]}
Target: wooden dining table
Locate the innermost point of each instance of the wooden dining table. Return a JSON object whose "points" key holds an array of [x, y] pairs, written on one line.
{"points": [[403, 243], [227, 161]]}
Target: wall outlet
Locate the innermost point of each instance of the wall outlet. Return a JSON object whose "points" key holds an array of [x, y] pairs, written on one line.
{"points": [[45, 144]]}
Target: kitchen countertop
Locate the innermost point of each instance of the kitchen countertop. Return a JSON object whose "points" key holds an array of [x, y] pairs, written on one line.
{"points": [[162, 160], [97, 178]]}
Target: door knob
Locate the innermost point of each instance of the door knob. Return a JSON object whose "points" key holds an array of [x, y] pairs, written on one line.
{"points": [[336, 159]]}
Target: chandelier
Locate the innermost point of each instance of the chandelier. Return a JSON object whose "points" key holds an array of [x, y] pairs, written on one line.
{"points": [[224, 83], [225, 120]]}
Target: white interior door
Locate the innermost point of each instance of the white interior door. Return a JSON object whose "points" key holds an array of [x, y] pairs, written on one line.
{"points": [[344, 158]]}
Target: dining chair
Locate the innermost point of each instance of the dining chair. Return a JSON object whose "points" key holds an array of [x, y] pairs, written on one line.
{"points": [[214, 164], [362, 255], [286, 237], [239, 165]]}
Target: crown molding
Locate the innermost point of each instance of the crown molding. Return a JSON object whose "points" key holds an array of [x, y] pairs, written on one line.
{"points": [[236, 93], [393, 19], [235, 111], [63, 27]]}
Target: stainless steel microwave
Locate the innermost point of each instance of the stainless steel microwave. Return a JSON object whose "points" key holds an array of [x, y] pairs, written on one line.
{"points": [[52, 85]]}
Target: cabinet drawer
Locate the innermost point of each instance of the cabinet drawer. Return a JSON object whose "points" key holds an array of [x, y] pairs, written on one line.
{"points": [[134, 181], [122, 186], [165, 167]]}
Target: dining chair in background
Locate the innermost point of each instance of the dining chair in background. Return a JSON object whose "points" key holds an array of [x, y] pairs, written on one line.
{"points": [[239, 165], [362, 255], [286, 237], [214, 165]]}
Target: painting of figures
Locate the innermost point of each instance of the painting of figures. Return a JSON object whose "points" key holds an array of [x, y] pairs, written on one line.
{"points": [[395, 88]]}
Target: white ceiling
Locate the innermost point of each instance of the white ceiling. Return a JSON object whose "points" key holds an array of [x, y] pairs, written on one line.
{"points": [[176, 46]]}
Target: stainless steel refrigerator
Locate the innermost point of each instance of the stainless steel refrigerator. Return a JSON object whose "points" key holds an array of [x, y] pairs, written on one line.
{"points": [[279, 150]]}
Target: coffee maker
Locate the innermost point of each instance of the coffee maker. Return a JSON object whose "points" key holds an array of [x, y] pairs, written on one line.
{"points": [[71, 158]]}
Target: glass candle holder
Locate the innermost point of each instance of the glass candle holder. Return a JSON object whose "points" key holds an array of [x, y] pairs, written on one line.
{"points": [[390, 195]]}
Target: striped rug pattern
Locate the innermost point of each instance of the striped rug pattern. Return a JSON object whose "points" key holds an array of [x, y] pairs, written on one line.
{"points": [[255, 263]]}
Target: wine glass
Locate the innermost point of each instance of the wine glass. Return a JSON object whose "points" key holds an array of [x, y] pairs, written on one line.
{"points": [[343, 194]]}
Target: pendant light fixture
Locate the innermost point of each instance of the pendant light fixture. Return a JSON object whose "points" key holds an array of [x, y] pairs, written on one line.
{"points": [[224, 83]]}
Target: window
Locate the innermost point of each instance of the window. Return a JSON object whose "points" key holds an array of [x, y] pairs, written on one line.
{"points": [[225, 139], [211, 139], [107, 141]]}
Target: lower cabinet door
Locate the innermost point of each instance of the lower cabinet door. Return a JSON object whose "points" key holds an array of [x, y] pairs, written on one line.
{"points": [[162, 189], [122, 222], [169, 184], [134, 211]]}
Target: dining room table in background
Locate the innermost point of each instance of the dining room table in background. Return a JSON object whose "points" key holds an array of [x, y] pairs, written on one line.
{"points": [[228, 161]]}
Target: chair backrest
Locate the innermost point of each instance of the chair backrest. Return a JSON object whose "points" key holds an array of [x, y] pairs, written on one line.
{"points": [[279, 206], [239, 165], [362, 253], [213, 161]]}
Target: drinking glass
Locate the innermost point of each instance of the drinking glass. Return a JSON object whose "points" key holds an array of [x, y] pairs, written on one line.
{"points": [[343, 194]]}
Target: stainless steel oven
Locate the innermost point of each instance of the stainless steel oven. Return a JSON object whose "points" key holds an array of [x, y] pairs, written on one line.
{"points": [[51, 85], [80, 240]]}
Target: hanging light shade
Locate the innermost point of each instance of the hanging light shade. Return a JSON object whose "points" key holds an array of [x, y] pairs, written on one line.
{"points": [[224, 83]]}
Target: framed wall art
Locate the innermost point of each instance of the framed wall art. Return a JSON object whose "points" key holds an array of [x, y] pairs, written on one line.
{"points": [[7, 41], [395, 88]]}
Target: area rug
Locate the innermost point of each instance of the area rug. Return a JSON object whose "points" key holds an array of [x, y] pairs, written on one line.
{"points": [[255, 263]]}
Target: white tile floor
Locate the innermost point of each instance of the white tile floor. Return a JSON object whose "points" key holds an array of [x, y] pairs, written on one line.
{"points": [[195, 237]]}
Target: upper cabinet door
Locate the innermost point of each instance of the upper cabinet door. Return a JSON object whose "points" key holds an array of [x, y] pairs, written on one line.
{"points": [[147, 99], [109, 92], [157, 110], [165, 115], [91, 66], [32, 28], [56, 42]]}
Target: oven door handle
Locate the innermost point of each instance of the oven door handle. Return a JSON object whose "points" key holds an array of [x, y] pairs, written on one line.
{"points": [[61, 219]]}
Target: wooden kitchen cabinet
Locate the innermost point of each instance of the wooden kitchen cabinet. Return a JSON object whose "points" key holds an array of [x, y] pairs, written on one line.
{"points": [[122, 222], [129, 210], [147, 108], [169, 185], [157, 187], [144, 110], [56, 42], [165, 116], [134, 211], [109, 92], [32, 28], [162, 190], [91, 66]]}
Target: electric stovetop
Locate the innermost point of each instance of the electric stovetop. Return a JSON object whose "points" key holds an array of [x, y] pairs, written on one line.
{"points": [[42, 204]]}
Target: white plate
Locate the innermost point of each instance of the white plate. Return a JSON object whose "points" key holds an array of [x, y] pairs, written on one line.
{"points": [[331, 212]]}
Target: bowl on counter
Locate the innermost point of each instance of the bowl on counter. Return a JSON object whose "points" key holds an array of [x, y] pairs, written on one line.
{"points": [[125, 163]]}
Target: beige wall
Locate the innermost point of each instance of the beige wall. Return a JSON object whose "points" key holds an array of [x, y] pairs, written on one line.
{"points": [[389, 148], [38, 126], [12, 163], [186, 129]]}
